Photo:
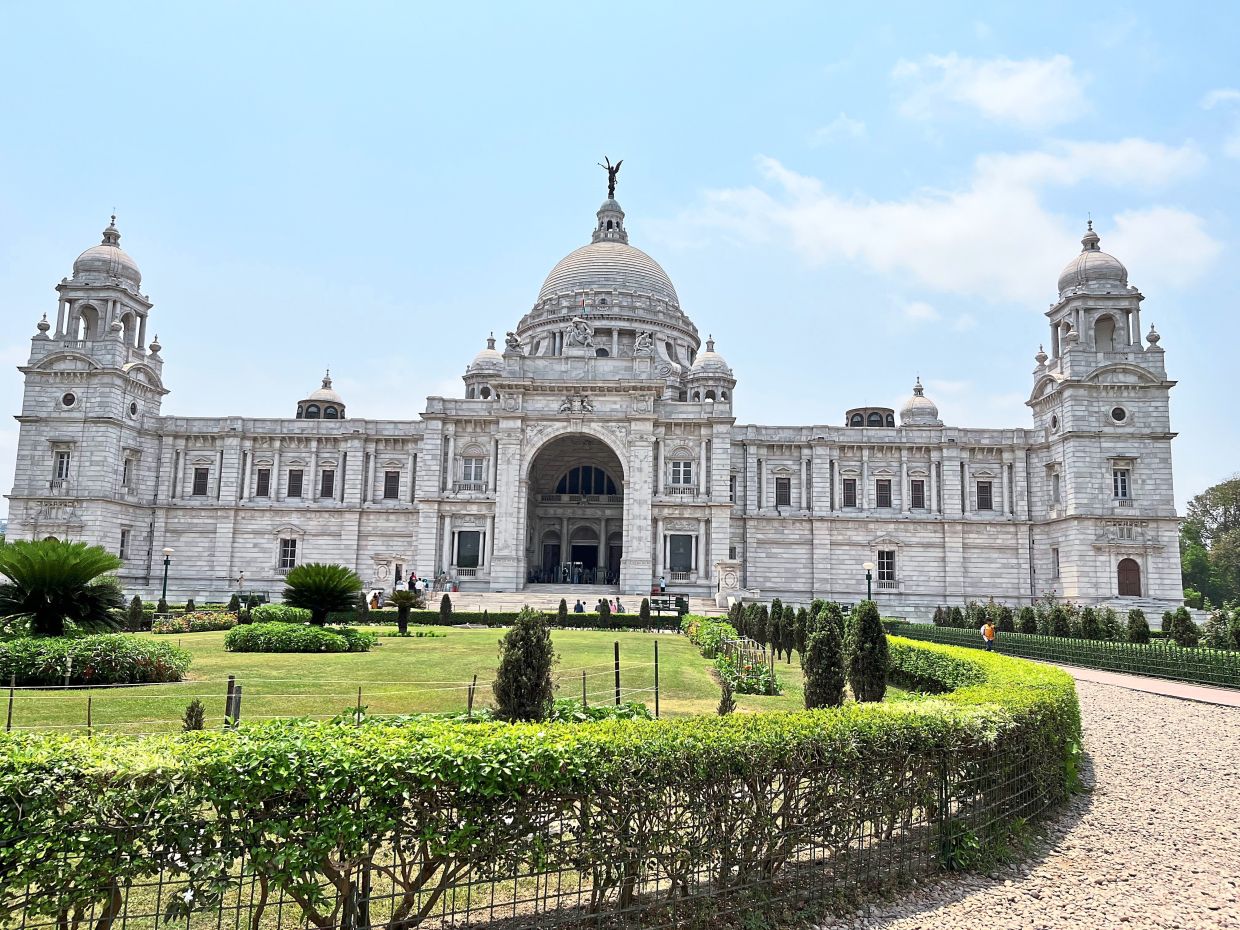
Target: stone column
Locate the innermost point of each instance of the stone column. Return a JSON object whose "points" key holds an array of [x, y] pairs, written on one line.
{"points": [[1003, 484], [494, 466], [445, 552], [60, 317], [658, 550], [450, 465], [703, 483], [566, 550], [661, 477], [142, 332], [602, 545], [1136, 324], [966, 487], [489, 542], [615, 342], [243, 492], [374, 494], [1054, 341], [863, 498]]}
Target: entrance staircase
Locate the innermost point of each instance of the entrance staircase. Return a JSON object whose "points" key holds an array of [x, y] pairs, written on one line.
{"points": [[547, 597]]}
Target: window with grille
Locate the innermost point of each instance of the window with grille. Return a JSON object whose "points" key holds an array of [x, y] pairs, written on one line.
{"points": [[123, 551], [886, 565], [985, 495], [585, 479], [288, 554], [127, 474], [732, 492], [391, 485], [62, 466], [202, 478], [1119, 482], [327, 483], [682, 473], [850, 492], [294, 482], [918, 494], [882, 492], [262, 483], [471, 469], [783, 492]]}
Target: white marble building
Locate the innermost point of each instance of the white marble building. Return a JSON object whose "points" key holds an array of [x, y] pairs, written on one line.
{"points": [[600, 446]]}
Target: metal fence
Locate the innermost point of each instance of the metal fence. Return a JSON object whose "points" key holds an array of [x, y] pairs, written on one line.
{"points": [[1157, 659], [812, 837]]}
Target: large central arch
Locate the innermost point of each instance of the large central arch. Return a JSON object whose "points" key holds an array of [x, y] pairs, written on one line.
{"points": [[574, 512]]}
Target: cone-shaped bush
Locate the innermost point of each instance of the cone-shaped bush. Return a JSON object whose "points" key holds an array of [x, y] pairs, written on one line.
{"points": [[1006, 622], [321, 588], [523, 687], [1027, 621], [955, 617], [761, 622], [190, 606], [562, 611], [867, 653], [940, 616], [775, 631], [1091, 628], [800, 632], [403, 601], [643, 612], [363, 608], [1166, 621], [1110, 624], [133, 616], [1061, 625], [445, 610], [1183, 630], [825, 675], [788, 631], [1138, 627], [234, 604], [50, 582]]}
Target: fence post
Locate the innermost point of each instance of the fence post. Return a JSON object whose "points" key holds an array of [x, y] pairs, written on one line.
{"points": [[584, 702], [89, 725], [473, 686], [228, 699], [236, 705], [358, 716], [8, 723], [656, 679], [617, 673], [68, 671]]}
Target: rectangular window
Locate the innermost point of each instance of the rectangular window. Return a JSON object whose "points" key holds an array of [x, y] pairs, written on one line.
{"points": [[1119, 483], [294, 482], [123, 551], [1055, 490], [1054, 561], [680, 552], [985, 495], [391, 485], [202, 478], [471, 470], [731, 552], [732, 491], [262, 483], [288, 554], [126, 473], [682, 473], [62, 466], [882, 492], [468, 545], [850, 492], [327, 483], [783, 492], [918, 493], [886, 565]]}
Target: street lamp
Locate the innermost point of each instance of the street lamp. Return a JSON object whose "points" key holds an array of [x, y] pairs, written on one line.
{"points": [[869, 580], [167, 562]]}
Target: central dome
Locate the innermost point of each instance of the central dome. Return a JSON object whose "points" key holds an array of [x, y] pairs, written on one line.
{"points": [[608, 265]]}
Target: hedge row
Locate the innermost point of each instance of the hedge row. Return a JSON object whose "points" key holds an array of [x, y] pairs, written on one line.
{"points": [[297, 637], [200, 621], [1159, 658], [496, 618], [109, 659], [613, 813]]}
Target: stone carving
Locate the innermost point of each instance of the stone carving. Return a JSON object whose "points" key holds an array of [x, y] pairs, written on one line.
{"points": [[643, 404], [511, 403], [644, 346], [577, 403], [681, 526], [579, 333], [512, 345]]}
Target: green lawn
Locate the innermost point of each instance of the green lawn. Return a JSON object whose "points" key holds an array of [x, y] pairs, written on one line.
{"points": [[401, 675]]}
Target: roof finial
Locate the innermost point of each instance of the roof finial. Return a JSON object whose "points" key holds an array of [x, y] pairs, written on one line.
{"points": [[710, 343], [112, 235], [1089, 242], [327, 379], [491, 340], [918, 390]]}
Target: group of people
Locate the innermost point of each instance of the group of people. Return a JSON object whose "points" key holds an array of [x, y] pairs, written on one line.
{"points": [[613, 606], [572, 574]]}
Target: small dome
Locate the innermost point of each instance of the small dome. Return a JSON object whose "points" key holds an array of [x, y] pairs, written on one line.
{"points": [[326, 393], [103, 263], [710, 362], [488, 359], [1093, 270], [323, 404], [919, 410]]}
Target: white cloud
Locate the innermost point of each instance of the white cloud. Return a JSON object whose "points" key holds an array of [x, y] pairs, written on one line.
{"points": [[1032, 93], [1231, 145], [964, 322], [1221, 95], [842, 127], [992, 237], [918, 311]]}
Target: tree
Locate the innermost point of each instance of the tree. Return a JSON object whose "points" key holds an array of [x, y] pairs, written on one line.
{"points": [[321, 588], [1166, 621], [445, 610], [1217, 631], [760, 625], [1210, 542], [234, 604], [788, 631], [523, 688], [643, 613], [955, 617], [1006, 622], [867, 653], [51, 583], [775, 631], [363, 608], [825, 674], [1138, 627], [940, 616], [801, 632], [1060, 623], [134, 615], [562, 612], [1183, 630], [832, 613], [1027, 620], [1090, 627], [403, 601]]}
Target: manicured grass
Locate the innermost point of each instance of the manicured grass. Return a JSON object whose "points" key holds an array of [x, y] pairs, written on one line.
{"points": [[401, 675]]}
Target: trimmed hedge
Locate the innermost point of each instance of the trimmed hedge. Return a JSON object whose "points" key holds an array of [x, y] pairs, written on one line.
{"points": [[1160, 658], [281, 613], [201, 621], [614, 812], [108, 659], [497, 618], [296, 637]]}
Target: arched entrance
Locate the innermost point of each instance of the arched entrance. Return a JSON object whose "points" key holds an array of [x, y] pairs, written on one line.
{"points": [[1129, 578], [575, 513]]}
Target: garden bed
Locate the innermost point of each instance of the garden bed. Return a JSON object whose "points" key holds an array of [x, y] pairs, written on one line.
{"points": [[107, 659], [297, 637]]}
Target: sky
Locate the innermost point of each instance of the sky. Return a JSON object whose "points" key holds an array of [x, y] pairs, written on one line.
{"points": [[846, 198]]}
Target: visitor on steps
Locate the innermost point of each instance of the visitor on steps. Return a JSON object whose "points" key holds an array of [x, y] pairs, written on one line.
{"points": [[579, 607], [988, 634]]}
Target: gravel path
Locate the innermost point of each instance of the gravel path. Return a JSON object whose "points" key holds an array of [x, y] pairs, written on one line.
{"points": [[1155, 844]]}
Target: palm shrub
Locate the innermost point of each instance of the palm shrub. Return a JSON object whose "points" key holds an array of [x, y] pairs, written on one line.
{"points": [[867, 653], [523, 687], [825, 675], [445, 610], [51, 583], [1138, 627], [800, 632], [1183, 630], [562, 611], [1090, 627], [1027, 621], [1217, 631], [403, 601], [134, 615], [321, 588]]}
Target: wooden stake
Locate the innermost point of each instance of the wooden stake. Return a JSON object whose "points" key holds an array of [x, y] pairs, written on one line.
{"points": [[656, 679], [617, 673], [584, 703], [8, 724], [89, 724], [228, 699], [358, 717], [236, 705], [472, 687]]}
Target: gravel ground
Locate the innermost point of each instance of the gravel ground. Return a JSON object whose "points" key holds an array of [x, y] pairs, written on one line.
{"points": [[1154, 844]]}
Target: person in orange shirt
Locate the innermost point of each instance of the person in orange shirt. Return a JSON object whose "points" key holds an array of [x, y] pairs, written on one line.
{"points": [[988, 634]]}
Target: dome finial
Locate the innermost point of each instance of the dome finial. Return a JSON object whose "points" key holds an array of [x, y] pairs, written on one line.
{"points": [[1089, 242], [327, 378], [491, 341], [918, 390], [710, 343], [112, 235]]}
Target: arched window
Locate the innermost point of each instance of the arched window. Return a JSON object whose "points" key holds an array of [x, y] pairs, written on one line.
{"points": [[601, 352], [723, 395], [300, 412], [88, 322], [586, 479], [1104, 333], [312, 411], [710, 395], [683, 395], [471, 392], [874, 419], [331, 413], [857, 420], [484, 392], [697, 395], [609, 224], [891, 419]]}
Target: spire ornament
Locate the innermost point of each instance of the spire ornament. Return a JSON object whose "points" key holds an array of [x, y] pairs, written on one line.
{"points": [[612, 171]]}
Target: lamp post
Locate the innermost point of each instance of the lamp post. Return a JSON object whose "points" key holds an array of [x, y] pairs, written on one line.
{"points": [[869, 580], [167, 562]]}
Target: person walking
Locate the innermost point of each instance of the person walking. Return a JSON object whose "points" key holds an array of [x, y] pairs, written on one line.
{"points": [[662, 584], [988, 634]]}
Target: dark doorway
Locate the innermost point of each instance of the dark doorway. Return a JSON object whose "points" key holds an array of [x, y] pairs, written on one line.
{"points": [[551, 558], [586, 554], [1129, 578]]}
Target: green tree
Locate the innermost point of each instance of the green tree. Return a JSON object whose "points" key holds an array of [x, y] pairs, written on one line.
{"points": [[788, 632], [1210, 542], [50, 584], [825, 674], [760, 625], [403, 601], [1138, 626], [1217, 631], [321, 588], [1090, 627], [801, 632], [643, 613], [940, 616], [867, 656], [1183, 630], [1006, 621], [363, 608], [234, 604], [955, 618], [562, 612], [523, 687], [134, 615], [445, 610], [1060, 621], [1027, 621], [775, 631]]}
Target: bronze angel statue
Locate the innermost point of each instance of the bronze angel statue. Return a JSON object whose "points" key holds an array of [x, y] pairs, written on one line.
{"points": [[612, 171]]}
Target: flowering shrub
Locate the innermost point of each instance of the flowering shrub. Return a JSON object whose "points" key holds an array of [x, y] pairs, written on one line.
{"points": [[747, 677], [296, 637], [109, 659], [200, 621]]}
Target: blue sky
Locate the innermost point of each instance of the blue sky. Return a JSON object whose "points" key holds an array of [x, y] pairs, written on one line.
{"points": [[845, 198]]}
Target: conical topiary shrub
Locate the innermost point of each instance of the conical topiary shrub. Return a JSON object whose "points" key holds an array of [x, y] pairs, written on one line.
{"points": [[523, 688], [867, 654], [825, 675]]}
